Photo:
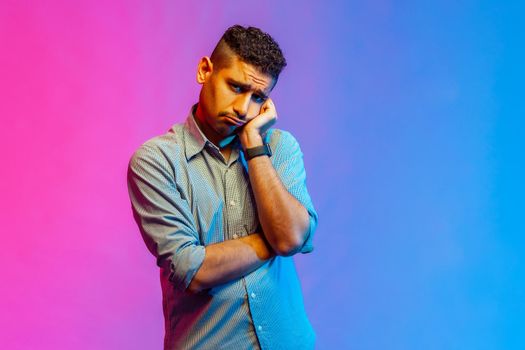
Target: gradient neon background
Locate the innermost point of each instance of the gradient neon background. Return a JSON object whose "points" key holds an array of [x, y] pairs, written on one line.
{"points": [[410, 115]]}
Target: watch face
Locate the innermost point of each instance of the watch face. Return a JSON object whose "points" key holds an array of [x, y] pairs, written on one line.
{"points": [[269, 149]]}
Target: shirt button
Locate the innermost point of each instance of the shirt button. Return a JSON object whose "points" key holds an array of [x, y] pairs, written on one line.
{"points": [[253, 296], [259, 328], [235, 236], [232, 203]]}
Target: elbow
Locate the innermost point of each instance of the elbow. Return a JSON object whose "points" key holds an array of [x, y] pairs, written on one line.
{"points": [[290, 242], [288, 247]]}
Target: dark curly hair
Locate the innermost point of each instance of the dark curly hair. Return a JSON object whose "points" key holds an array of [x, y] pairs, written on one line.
{"points": [[252, 46]]}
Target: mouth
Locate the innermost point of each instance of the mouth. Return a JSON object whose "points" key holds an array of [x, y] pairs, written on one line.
{"points": [[233, 120]]}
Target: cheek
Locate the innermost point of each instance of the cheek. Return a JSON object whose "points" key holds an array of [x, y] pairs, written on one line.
{"points": [[214, 97]]}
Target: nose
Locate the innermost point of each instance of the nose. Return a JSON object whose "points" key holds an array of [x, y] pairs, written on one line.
{"points": [[241, 105]]}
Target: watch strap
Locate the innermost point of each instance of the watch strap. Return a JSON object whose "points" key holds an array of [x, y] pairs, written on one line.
{"points": [[263, 150]]}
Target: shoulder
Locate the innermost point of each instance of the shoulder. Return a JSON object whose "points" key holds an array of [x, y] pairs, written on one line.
{"points": [[279, 137], [282, 140], [162, 149]]}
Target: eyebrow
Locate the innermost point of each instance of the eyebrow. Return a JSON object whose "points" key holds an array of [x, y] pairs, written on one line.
{"points": [[247, 87]]}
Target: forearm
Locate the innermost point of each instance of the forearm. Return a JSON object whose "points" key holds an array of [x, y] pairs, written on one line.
{"points": [[229, 260], [285, 221], [283, 218]]}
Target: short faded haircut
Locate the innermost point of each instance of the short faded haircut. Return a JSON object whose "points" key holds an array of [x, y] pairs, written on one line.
{"points": [[252, 46]]}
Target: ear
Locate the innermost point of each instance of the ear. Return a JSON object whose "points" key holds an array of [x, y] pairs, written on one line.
{"points": [[204, 69]]}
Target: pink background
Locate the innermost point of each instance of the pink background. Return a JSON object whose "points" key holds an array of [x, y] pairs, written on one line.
{"points": [[83, 85], [410, 116]]}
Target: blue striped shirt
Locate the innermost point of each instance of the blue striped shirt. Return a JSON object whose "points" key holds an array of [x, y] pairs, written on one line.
{"points": [[185, 196]]}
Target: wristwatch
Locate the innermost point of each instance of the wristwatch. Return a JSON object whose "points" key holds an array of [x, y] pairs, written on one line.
{"points": [[263, 150]]}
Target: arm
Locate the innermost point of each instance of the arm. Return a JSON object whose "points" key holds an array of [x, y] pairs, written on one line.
{"points": [[229, 260], [285, 221], [166, 223]]}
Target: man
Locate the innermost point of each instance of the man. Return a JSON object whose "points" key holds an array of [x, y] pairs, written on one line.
{"points": [[221, 202]]}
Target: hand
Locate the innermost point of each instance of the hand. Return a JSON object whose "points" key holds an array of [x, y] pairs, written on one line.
{"points": [[253, 132]]}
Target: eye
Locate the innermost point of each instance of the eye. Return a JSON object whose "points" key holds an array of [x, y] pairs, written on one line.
{"points": [[236, 88], [258, 99]]}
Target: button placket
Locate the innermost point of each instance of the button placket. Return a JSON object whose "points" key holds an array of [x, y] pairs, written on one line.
{"points": [[232, 201]]}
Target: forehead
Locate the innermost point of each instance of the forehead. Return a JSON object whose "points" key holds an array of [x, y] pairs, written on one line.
{"points": [[248, 74]]}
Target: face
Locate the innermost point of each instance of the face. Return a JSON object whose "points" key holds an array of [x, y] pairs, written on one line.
{"points": [[233, 92]]}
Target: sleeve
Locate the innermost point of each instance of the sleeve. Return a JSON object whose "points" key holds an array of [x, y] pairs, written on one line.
{"points": [[164, 218], [287, 159]]}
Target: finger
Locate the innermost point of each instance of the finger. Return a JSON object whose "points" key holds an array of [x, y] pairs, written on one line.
{"points": [[268, 107], [270, 104]]}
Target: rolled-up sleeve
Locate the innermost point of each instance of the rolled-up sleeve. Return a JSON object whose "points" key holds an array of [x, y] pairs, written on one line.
{"points": [[163, 216], [288, 162]]}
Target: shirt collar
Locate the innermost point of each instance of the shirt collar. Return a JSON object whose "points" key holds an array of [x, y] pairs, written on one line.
{"points": [[195, 140]]}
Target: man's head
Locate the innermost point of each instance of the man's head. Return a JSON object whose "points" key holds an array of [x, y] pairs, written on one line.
{"points": [[236, 79], [252, 46]]}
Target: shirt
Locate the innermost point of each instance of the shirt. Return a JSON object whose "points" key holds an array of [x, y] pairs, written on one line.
{"points": [[185, 196]]}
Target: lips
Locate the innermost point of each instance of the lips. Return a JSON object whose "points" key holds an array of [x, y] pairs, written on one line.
{"points": [[233, 120]]}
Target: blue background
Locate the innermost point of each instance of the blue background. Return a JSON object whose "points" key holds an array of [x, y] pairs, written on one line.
{"points": [[410, 116]]}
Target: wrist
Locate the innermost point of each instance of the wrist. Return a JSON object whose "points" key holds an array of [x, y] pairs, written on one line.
{"points": [[264, 150], [250, 139]]}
